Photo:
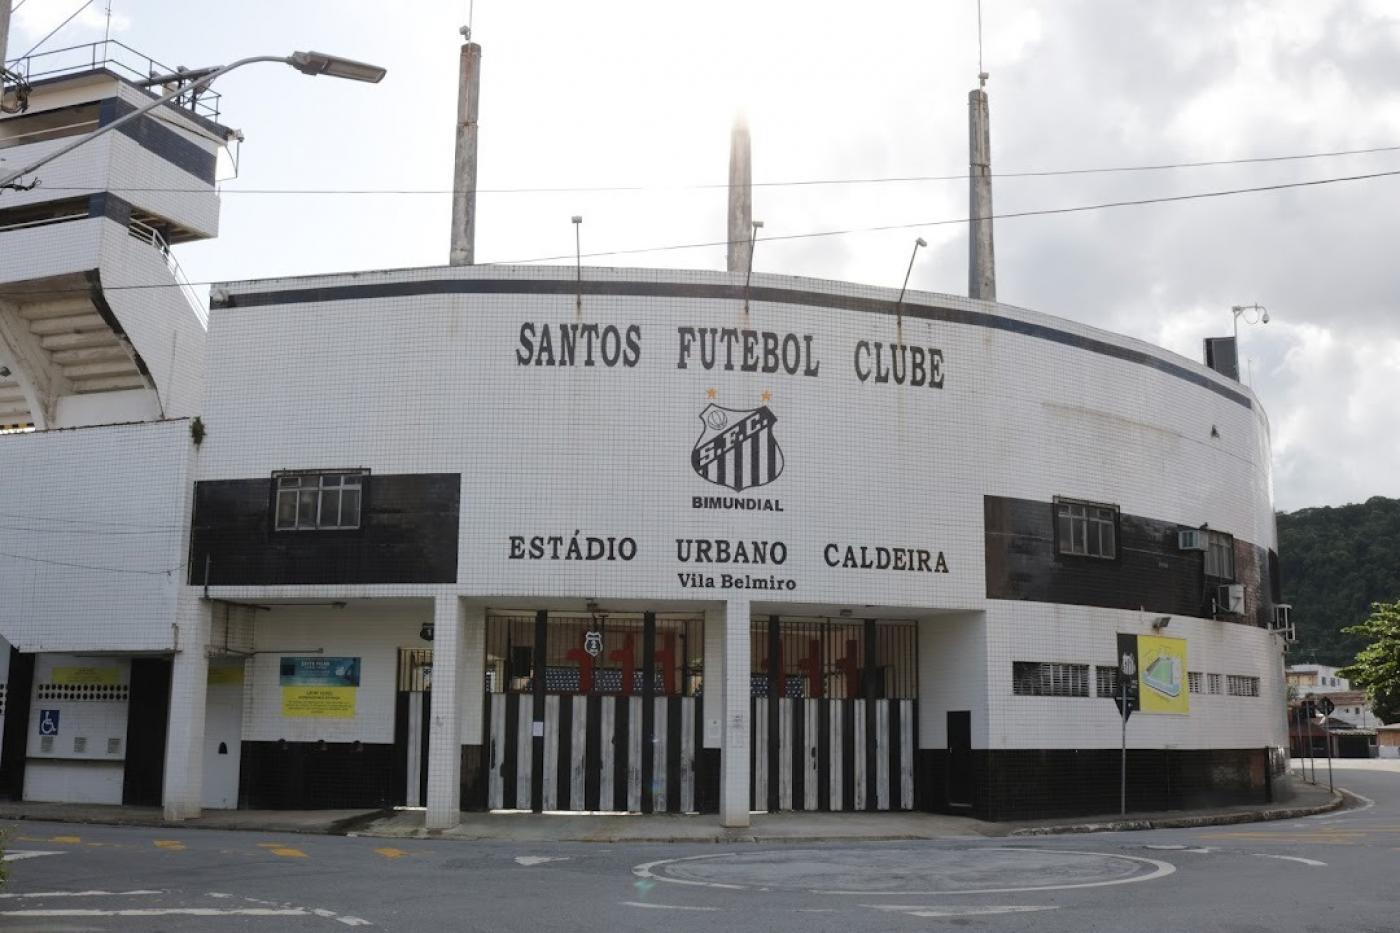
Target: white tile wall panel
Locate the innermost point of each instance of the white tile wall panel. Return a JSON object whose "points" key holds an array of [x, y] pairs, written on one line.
{"points": [[52, 250], [96, 536]]}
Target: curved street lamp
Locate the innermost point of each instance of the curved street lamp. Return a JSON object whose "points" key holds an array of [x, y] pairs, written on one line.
{"points": [[311, 63]]}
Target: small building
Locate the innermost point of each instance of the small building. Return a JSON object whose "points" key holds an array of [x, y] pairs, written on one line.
{"points": [[1315, 678]]}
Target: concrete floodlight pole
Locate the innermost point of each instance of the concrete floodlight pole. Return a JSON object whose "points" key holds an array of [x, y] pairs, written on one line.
{"points": [[740, 199], [981, 257], [464, 168], [5, 6]]}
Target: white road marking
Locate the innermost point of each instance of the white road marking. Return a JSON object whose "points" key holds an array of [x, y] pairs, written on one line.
{"points": [[48, 894], [934, 911], [23, 854], [1293, 858], [528, 860], [1160, 870], [354, 922], [663, 906], [645, 871]]}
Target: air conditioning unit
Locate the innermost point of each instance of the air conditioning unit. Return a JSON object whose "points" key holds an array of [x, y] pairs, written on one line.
{"points": [[1229, 599], [1191, 539]]}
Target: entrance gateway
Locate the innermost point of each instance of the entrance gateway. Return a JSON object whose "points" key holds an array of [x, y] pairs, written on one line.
{"points": [[833, 705]]}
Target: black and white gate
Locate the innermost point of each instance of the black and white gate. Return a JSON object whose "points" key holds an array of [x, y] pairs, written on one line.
{"points": [[592, 732], [834, 715], [412, 711]]}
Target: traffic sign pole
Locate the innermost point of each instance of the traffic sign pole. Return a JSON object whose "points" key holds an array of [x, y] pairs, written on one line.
{"points": [[1123, 760]]}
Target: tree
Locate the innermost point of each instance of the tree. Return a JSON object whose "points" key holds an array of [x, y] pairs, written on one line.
{"points": [[1377, 666]]}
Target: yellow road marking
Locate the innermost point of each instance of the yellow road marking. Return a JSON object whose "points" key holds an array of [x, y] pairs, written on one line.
{"points": [[171, 845], [277, 848], [391, 853], [66, 840]]}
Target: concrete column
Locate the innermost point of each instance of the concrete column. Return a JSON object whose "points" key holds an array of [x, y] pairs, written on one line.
{"points": [[714, 675], [740, 198], [473, 673], [184, 736], [445, 730], [464, 168], [981, 256], [738, 731]]}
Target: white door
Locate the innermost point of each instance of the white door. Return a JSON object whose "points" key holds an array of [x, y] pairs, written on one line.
{"points": [[223, 734]]}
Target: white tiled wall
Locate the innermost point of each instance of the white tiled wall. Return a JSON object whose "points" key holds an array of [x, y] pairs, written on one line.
{"points": [[95, 543]]}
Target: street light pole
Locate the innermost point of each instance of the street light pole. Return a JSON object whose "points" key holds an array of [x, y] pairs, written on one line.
{"points": [[311, 63]]}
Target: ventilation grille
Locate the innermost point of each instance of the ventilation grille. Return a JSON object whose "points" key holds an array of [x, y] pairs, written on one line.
{"points": [[3, 688], [98, 693], [114, 746], [46, 744], [79, 744]]}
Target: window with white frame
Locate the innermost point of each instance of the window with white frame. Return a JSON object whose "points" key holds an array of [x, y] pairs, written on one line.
{"points": [[1086, 529], [319, 501], [1238, 685], [1213, 683], [1220, 555], [1048, 679], [1193, 681]]}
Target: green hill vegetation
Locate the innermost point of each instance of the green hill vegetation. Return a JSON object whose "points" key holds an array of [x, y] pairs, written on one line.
{"points": [[1335, 563]]}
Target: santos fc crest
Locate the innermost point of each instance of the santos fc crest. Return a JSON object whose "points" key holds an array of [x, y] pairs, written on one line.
{"points": [[737, 449]]}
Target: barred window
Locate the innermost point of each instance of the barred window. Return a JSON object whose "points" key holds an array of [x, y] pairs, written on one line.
{"points": [[1048, 679], [1106, 681], [1238, 685], [1220, 555], [1213, 683], [315, 501], [1193, 681], [1086, 529]]}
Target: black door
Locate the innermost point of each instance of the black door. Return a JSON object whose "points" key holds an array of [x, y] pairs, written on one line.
{"points": [[960, 758], [148, 709]]}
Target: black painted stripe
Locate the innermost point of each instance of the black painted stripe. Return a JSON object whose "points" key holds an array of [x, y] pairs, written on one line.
{"points": [[510, 753], [774, 295], [621, 747], [697, 753], [673, 754], [537, 712], [423, 738], [593, 754], [564, 761], [753, 754], [158, 138], [648, 761], [823, 754]]}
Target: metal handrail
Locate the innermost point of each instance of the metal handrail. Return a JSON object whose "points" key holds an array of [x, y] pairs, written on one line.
{"points": [[150, 235], [117, 57]]}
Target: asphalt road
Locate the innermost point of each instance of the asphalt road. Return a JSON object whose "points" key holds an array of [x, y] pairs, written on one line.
{"points": [[1330, 872]]}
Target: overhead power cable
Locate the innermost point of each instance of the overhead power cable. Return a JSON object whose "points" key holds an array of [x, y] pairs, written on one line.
{"points": [[1010, 215], [80, 566], [795, 183]]}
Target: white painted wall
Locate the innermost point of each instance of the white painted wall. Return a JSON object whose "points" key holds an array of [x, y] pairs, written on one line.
{"points": [[62, 772], [223, 734], [373, 632]]}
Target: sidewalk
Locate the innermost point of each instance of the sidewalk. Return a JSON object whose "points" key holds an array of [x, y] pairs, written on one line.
{"points": [[664, 827]]}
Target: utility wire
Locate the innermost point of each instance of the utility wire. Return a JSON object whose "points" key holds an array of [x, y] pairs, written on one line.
{"points": [[88, 521], [64, 563], [1010, 215], [795, 183], [88, 531]]}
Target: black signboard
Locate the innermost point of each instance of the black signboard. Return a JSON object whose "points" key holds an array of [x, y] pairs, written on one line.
{"points": [[1127, 674]]}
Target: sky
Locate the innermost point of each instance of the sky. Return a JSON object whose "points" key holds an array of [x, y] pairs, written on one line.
{"points": [[642, 95]]}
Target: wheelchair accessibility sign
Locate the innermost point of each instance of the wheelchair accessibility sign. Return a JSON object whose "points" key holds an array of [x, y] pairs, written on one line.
{"points": [[48, 722]]}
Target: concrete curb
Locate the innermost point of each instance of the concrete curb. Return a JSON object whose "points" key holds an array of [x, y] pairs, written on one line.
{"points": [[1183, 822], [342, 827]]}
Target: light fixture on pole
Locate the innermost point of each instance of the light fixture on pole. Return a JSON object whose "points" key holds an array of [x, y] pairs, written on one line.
{"points": [[899, 302], [753, 238], [578, 266], [311, 63], [1261, 316]]}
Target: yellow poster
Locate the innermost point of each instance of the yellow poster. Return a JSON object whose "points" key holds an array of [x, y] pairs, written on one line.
{"points": [[87, 676], [1162, 674], [226, 675], [319, 702]]}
